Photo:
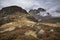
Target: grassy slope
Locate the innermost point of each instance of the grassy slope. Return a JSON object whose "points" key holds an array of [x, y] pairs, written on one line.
{"points": [[21, 29]]}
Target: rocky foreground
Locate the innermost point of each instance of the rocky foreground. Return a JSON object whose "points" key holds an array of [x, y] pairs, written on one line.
{"points": [[37, 32]]}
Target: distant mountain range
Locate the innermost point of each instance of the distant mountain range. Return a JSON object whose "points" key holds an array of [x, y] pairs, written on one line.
{"points": [[41, 14]]}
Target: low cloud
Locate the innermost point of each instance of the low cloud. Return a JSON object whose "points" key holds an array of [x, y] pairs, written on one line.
{"points": [[50, 5]]}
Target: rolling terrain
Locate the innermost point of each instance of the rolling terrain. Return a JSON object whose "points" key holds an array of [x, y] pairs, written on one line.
{"points": [[15, 24]]}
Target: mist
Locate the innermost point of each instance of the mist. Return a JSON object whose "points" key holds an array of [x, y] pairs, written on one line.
{"points": [[52, 6]]}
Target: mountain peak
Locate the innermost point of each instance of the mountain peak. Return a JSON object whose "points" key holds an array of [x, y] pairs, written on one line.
{"points": [[12, 10]]}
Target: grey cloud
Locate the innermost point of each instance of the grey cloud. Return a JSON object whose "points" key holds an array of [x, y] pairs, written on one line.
{"points": [[50, 5]]}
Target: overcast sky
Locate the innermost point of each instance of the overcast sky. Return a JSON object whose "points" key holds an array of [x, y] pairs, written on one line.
{"points": [[52, 6]]}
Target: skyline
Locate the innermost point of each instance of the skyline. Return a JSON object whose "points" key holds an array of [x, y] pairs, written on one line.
{"points": [[51, 6]]}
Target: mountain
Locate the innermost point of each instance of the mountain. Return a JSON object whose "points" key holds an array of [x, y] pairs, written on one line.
{"points": [[39, 14], [11, 13], [38, 10], [17, 24], [11, 10]]}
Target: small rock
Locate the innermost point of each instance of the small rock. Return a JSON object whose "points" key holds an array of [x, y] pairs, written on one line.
{"points": [[52, 30], [41, 31]]}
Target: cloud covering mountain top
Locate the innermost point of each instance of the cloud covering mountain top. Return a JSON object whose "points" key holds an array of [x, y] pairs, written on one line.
{"points": [[50, 5]]}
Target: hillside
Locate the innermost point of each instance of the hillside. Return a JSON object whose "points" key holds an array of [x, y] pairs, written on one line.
{"points": [[17, 24], [11, 13]]}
